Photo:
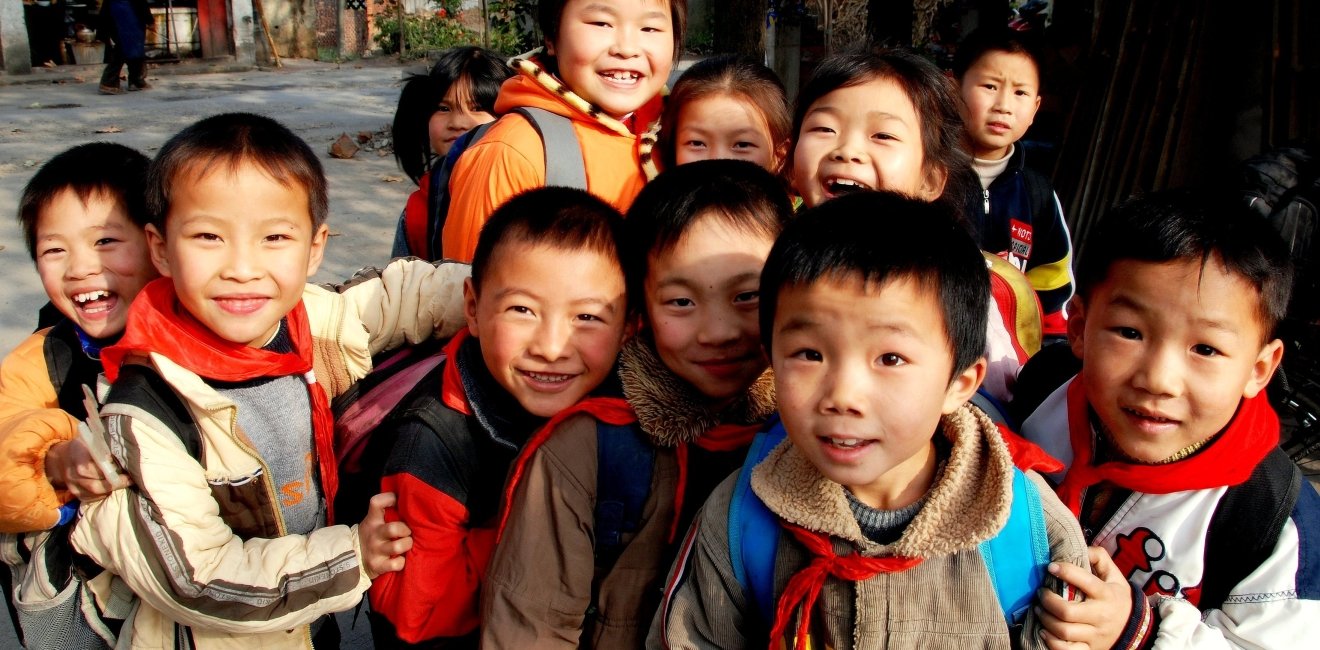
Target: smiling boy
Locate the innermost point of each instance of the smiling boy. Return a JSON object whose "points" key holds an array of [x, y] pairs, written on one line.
{"points": [[889, 481], [219, 406], [603, 66], [1204, 532], [547, 313]]}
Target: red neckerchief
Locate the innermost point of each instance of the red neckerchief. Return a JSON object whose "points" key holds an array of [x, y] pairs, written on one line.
{"points": [[610, 410], [724, 437], [1228, 460], [158, 323], [805, 585], [1027, 454]]}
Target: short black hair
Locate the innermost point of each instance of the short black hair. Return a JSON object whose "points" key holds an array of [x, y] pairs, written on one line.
{"points": [[231, 139], [995, 39], [880, 237], [1186, 226], [94, 168], [742, 194], [483, 70], [933, 94], [561, 217]]}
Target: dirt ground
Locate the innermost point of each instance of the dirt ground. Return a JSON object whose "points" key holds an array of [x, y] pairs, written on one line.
{"points": [[50, 111], [318, 101]]}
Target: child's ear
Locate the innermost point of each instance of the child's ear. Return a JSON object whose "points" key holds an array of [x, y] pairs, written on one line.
{"points": [[470, 305], [963, 386], [1076, 325], [319, 239], [156, 247], [1263, 368], [780, 158], [933, 182]]}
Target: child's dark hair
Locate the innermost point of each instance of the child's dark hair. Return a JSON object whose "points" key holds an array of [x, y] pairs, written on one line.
{"points": [[738, 76], [87, 169], [1200, 227], [560, 217], [482, 70], [230, 139], [741, 194], [990, 39], [550, 12], [880, 237], [933, 94]]}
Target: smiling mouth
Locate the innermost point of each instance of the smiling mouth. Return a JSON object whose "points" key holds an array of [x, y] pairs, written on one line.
{"points": [[549, 378], [94, 302], [841, 186], [241, 305], [845, 443], [621, 76], [1155, 419]]}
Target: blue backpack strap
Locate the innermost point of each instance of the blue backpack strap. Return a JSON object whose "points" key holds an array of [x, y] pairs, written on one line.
{"points": [[992, 407], [626, 463], [753, 529], [564, 165], [1016, 574]]}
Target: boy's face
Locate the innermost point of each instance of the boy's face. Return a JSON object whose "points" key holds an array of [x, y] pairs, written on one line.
{"points": [[92, 260], [866, 136], [862, 375], [721, 125], [1168, 352], [239, 247], [701, 303], [550, 322], [1000, 95], [616, 54]]}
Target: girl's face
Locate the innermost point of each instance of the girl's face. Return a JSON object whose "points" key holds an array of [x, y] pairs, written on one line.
{"points": [[457, 114], [701, 303], [863, 137], [725, 126]]}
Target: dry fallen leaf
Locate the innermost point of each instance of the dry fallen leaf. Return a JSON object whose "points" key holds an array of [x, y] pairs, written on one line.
{"points": [[391, 179], [110, 129]]}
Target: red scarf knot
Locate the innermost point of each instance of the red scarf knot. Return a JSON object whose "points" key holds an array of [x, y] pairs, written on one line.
{"points": [[805, 585], [1226, 461]]}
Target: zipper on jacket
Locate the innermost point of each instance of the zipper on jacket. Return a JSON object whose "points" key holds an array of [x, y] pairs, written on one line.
{"points": [[985, 198], [265, 470]]}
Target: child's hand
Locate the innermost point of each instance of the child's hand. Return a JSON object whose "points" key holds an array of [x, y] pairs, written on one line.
{"points": [[69, 466], [1095, 622], [383, 543]]}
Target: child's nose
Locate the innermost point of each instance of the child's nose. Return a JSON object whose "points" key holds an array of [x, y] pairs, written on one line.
{"points": [[1159, 374], [843, 393], [83, 263], [550, 340], [717, 329], [625, 43]]}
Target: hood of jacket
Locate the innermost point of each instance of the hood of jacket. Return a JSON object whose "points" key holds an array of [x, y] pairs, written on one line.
{"points": [[967, 504], [670, 410]]}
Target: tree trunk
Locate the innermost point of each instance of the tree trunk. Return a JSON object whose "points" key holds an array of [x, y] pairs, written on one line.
{"points": [[740, 27]]}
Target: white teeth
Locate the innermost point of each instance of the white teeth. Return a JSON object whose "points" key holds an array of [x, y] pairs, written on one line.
{"points": [[846, 443], [548, 378], [90, 296], [622, 75]]}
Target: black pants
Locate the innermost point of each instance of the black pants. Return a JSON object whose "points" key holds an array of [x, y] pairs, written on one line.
{"points": [[114, 62]]}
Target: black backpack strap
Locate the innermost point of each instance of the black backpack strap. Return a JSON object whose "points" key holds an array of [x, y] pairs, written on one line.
{"points": [[1246, 526], [437, 208], [142, 387], [625, 464]]}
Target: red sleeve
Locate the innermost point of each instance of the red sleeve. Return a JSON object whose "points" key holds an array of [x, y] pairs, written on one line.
{"points": [[437, 594]]}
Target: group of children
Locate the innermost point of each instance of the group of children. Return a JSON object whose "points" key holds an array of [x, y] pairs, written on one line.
{"points": [[671, 410]]}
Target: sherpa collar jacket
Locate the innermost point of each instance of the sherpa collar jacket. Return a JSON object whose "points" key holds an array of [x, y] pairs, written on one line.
{"points": [[947, 601], [543, 575]]}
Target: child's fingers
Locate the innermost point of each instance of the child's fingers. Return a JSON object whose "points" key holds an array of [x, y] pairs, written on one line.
{"points": [[396, 530], [380, 503], [1055, 643], [1102, 565], [1078, 577]]}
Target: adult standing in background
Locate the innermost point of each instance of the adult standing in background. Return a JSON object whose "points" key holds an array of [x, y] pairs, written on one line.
{"points": [[123, 25]]}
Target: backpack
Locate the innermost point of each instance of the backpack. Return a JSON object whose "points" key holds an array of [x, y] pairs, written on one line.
{"points": [[364, 411], [754, 540], [420, 233], [625, 463]]}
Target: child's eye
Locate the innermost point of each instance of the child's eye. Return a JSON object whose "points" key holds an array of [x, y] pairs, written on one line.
{"points": [[443, 108], [590, 318], [278, 237], [206, 236], [652, 30], [1206, 350], [50, 252], [990, 86], [891, 359], [520, 309], [808, 354], [820, 129], [679, 302], [1128, 333], [747, 296], [884, 136], [694, 144], [106, 241], [1022, 93], [744, 145]]}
